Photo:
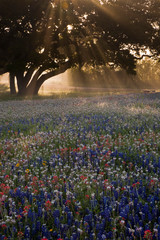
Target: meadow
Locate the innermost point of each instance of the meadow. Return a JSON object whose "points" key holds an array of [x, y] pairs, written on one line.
{"points": [[80, 168]]}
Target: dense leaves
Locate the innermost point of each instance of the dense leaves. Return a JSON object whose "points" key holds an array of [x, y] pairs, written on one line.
{"points": [[40, 39]]}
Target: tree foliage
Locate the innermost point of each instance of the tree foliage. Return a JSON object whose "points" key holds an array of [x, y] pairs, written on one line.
{"points": [[40, 39]]}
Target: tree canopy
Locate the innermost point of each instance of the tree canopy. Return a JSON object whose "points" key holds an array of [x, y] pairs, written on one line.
{"points": [[40, 39]]}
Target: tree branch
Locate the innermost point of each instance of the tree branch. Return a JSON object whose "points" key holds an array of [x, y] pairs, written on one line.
{"points": [[36, 75], [28, 75], [38, 79], [53, 73], [12, 83], [144, 55], [2, 71]]}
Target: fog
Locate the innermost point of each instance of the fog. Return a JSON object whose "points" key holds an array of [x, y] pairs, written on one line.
{"points": [[148, 77]]}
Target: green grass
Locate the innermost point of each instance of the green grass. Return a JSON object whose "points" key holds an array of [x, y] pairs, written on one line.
{"points": [[5, 96]]}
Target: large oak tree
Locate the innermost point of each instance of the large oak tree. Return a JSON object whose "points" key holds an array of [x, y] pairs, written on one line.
{"points": [[40, 39]]}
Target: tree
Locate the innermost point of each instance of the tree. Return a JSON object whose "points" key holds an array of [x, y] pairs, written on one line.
{"points": [[148, 71], [132, 27], [40, 39], [20, 36], [38, 46]]}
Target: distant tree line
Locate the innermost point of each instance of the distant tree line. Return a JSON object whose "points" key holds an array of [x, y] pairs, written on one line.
{"points": [[41, 39]]}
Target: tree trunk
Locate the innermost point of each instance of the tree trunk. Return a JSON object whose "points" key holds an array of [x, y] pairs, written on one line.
{"points": [[26, 87], [39, 78], [31, 88], [12, 83], [22, 83], [37, 87]]}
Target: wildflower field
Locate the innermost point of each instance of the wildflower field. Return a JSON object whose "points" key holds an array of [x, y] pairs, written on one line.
{"points": [[80, 168]]}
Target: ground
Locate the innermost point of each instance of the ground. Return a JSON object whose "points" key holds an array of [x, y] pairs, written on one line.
{"points": [[80, 168]]}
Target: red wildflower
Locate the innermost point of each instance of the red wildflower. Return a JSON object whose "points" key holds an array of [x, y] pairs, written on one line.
{"points": [[83, 177], [94, 180], [68, 202], [135, 184], [141, 140], [28, 154], [19, 216], [148, 234], [48, 205], [3, 226], [57, 187], [87, 196], [108, 153], [35, 178], [20, 234], [27, 207], [6, 177], [1, 152], [25, 213], [152, 182], [55, 178]]}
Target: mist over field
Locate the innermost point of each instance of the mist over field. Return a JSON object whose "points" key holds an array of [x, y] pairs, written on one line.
{"points": [[148, 77]]}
